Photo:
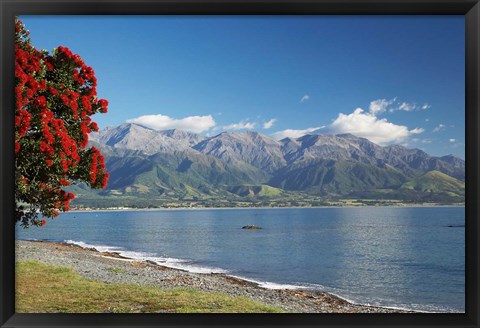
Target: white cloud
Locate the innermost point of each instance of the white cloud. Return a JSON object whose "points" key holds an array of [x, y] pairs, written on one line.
{"points": [[439, 128], [269, 124], [240, 126], [452, 140], [368, 126], [380, 105], [408, 107], [417, 131], [427, 120], [305, 98], [194, 124], [289, 133]]}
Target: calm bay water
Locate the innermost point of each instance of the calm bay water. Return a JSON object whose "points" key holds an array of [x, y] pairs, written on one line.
{"points": [[406, 257]]}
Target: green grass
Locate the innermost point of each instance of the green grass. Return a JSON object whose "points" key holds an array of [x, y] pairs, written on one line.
{"points": [[436, 181], [250, 191], [43, 288]]}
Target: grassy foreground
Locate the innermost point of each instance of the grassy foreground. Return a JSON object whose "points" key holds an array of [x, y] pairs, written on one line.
{"points": [[43, 288]]}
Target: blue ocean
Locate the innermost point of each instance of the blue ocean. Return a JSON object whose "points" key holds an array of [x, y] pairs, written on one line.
{"points": [[400, 257]]}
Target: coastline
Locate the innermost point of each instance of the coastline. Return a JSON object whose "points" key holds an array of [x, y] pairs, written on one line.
{"points": [[255, 207], [111, 267]]}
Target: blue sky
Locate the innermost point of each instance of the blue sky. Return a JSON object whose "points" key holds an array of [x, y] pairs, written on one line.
{"points": [[392, 79]]}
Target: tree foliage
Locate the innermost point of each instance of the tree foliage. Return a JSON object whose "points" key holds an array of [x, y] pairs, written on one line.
{"points": [[55, 97]]}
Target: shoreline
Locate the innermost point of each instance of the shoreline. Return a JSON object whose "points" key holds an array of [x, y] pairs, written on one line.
{"points": [[105, 266], [254, 207]]}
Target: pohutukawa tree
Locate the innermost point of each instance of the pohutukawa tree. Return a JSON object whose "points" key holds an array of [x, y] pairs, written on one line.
{"points": [[55, 97]]}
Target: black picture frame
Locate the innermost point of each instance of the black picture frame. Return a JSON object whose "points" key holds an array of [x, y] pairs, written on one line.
{"points": [[11, 8]]}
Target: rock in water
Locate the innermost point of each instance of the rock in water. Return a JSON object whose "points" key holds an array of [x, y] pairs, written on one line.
{"points": [[251, 227]]}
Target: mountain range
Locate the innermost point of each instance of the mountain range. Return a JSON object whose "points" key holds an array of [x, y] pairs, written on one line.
{"points": [[174, 164]]}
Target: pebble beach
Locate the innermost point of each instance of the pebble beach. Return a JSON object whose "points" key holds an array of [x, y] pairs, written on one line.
{"points": [[110, 267]]}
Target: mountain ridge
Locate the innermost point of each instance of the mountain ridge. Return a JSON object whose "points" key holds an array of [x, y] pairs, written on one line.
{"points": [[175, 163]]}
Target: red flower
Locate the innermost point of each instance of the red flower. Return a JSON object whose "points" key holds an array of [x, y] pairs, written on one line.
{"points": [[94, 126], [22, 121], [49, 66], [64, 182], [86, 102], [104, 104], [41, 102], [65, 99], [52, 90], [43, 85], [64, 165], [105, 180], [46, 148]]}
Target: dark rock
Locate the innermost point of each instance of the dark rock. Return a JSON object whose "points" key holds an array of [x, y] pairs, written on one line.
{"points": [[251, 227]]}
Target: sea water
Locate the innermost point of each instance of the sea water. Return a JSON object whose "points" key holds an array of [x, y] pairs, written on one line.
{"points": [[401, 257]]}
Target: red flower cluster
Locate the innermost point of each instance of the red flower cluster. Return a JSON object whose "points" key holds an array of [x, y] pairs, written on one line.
{"points": [[64, 182], [55, 97], [27, 65], [104, 105], [66, 198], [22, 121], [98, 175]]}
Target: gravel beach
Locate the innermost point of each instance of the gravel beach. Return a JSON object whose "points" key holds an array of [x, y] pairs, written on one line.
{"points": [[113, 268]]}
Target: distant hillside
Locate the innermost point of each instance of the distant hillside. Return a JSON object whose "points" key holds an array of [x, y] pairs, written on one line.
{"points": [[339, 177], [175, 165], [255, 191], [436, 182]]}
